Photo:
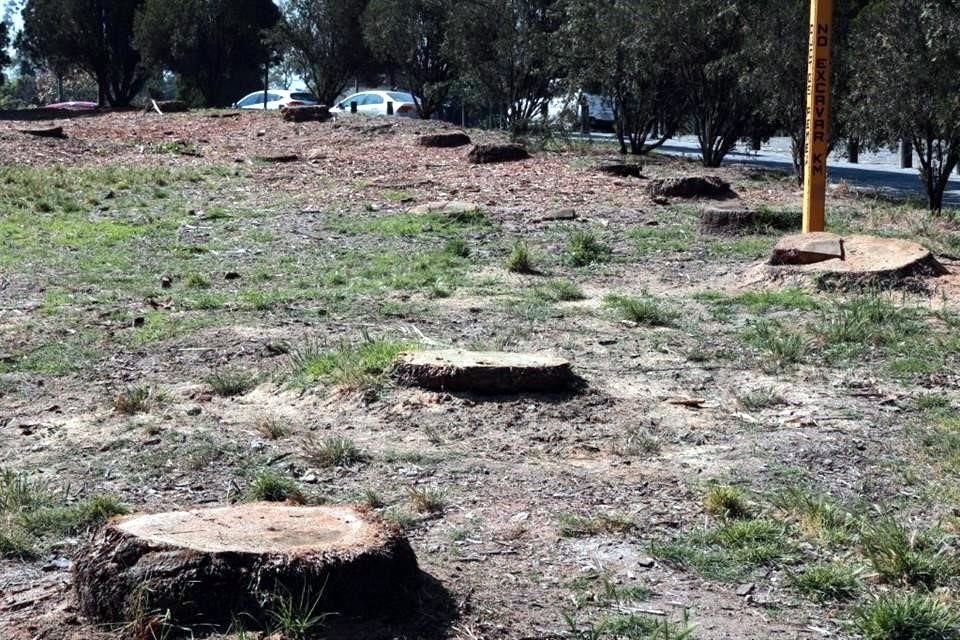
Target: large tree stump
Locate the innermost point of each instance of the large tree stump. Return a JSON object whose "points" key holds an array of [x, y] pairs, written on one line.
{"points": [[47, 132], [691, 187], [207, 565], [621, 170], [854, 261], [485, 373], [490, 153], [444, 140]]}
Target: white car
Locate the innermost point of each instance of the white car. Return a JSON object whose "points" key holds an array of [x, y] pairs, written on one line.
{"points": [[566, 109], [374, 103], [276, 99]]}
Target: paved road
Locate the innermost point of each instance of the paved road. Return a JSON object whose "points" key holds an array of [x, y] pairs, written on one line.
{"points": [[876, 171]]}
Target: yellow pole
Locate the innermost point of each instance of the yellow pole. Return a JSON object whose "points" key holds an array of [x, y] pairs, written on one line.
{"points": [[818, 116]]}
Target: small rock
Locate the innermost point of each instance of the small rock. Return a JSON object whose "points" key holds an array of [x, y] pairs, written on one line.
{"points": [[139, 321], [523, 516], [193, 411], [231, 275], [746, 589], [646, 563], [309, 477], [166, 282], [559, 214], [661, 201]]}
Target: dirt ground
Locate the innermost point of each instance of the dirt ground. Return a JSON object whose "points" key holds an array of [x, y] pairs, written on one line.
{"points": [[169, 253]]}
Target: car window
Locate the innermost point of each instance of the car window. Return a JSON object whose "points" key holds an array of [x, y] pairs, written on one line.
{"points": [[273, 97], [373, 98], [303, 96], [249, 100], [357, 97], [397, 96]]}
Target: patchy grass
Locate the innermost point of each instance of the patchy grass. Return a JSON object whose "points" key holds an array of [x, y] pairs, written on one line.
{"points": [[731, 551], [907, 557], [907, 616], [818, 516], [427, 499], [760, 398], [583, 249], [332, 451], [270, 486], [229, 383], [411, 225], [573, 526], [520, 259], [777, 342], [724, 501], [272, 428], [646, 311], [827, 582], [558, 291], [354, 367]]}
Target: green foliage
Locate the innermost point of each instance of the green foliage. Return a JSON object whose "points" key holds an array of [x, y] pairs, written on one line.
{"points": [[773, 339], [229, 383], [270, 486], [646, 311], [726, 502], [520, 260], [583, 248], [826, 582], [427, 499], [908, 557], [297, 617], [351, 366], [558, 291], [907, 616], [817, 515], [332, 451], [865, 323], [70, 33], [573, 526], [178, 35]]}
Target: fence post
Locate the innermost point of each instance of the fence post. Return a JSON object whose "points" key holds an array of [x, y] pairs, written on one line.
{"points": [[389, 108], [353, 106]]}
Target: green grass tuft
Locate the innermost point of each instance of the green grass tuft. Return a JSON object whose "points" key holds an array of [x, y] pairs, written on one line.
{"points": [[908, 616], [573, 526], [646, 311], [270, 486], [230, 383], [908, 557], [827, 582], [724, 501], [583, 248], [333, 451], [353, 367], [520, 260]]}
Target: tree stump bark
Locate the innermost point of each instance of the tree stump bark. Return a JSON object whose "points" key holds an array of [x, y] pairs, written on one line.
{"points": [[305, 113], [48, 132], [444, 140], [485, 373], [691, 187], [726, 221], [490, 153], [206, 566], [621, 170]]}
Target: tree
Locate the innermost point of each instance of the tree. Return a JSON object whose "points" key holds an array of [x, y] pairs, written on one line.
{"points": [[514, 60], [411, 36], [219, 48], [95, 36], [615, 48], [908, 88], [710, 67], [778, 75], [5, 58], [325, 43]]}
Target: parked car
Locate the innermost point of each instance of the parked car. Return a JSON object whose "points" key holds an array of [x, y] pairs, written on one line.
{"points": [[565, 109], [374, 103], [276, 98], [73, 105]]}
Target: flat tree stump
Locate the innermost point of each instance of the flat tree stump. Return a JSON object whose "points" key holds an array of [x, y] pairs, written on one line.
{"points": [[207, 565], [453, 209], [621, 170], [485, 373], [691, 187], [490, 153], [853, 259], [46, 132], [305, 113], [444, 140]]}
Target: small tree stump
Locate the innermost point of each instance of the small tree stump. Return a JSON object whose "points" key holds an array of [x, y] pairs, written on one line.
{"points": [[444, 140], [278, 157], [621, 170], [485, 373], [47, 132], [491, 153], [691, 187], [207, 565], [726, 221], [807, 248], [305, 113], [172, 106]]}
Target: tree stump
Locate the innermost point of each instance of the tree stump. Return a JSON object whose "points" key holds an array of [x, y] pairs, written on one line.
{"points": [[305, 113], [278, 157], [485, 373], [854, 261], [47, 132], [691, 187], [444, 140], [491, 153], [172, 106], [727, 221], [453, 209], [207, 565], [621, 170]]}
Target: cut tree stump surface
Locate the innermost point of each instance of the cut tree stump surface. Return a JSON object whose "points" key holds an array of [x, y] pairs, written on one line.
{"points": [[444, 140], [207, 565], [485, 372], [853, 258]]}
